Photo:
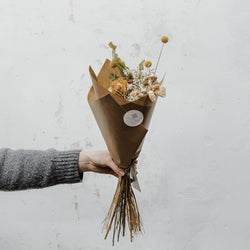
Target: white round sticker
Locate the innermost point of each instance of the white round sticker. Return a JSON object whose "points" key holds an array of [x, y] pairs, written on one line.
{"points": [[133, 118]]}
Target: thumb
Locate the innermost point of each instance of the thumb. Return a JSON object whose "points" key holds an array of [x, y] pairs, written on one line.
{"points": [[115, 168]]}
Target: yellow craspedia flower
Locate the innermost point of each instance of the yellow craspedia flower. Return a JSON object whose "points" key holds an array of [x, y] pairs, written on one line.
{"points": [[164, 39], [113, 64], [148, 64]]}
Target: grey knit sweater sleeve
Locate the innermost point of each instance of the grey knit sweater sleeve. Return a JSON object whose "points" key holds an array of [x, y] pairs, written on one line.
{"points": [[24, 169]]}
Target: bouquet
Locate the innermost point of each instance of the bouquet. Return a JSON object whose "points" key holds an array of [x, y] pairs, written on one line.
{"points": [[122, 101]]}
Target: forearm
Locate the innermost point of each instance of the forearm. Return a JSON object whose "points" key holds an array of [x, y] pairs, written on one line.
{"points": [[23, 169]]}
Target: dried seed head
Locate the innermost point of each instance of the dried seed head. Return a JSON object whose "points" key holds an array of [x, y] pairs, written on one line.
{"points": [[164, 39], [113, 64], [148, 64]]}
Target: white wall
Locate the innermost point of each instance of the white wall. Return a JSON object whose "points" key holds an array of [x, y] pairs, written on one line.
{"points": [[194, 168]]}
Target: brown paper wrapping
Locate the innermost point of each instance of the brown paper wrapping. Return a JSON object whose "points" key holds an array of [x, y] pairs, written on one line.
{"points": [[124, 143]]}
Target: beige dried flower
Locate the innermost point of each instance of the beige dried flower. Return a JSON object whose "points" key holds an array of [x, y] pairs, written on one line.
{"points": [[151, 96], [156, 86], [141, 95], [135, 93], [161, 91], [153, 87]]}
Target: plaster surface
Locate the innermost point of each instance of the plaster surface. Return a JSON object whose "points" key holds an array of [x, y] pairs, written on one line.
{"points": [[194, 168]]}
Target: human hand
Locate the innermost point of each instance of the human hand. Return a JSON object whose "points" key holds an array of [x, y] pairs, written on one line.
{"points": [[99, 162]]}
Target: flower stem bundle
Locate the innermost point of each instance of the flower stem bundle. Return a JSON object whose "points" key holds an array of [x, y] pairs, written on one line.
{"points": [[123, 207]]}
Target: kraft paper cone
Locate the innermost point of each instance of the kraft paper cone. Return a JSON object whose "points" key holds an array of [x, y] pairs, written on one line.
{"points": [[124, 144]]}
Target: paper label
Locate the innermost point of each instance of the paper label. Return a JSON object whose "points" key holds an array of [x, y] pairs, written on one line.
{"points": [[133, 176], [133, 118]]}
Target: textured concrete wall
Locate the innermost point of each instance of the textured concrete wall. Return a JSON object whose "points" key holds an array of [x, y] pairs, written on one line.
{"points": [[194, 168]]}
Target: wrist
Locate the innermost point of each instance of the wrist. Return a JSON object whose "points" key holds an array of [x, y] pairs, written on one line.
{"points": [[84, 161]]}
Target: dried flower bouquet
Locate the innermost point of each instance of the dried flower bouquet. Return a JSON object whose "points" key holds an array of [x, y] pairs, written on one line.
{"points": [[122, 101]]}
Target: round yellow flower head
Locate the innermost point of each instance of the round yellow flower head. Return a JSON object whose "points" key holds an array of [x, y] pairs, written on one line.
{"points": [[164, 39], [113, 64], [148, 64]]}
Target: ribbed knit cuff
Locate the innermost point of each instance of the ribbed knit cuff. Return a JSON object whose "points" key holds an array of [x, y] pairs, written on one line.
{"points": [[66, 169]]}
